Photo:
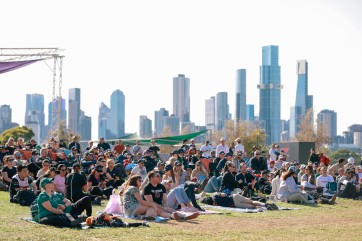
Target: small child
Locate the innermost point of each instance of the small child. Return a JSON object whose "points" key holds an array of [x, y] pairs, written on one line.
{"points": [[107, 220]]}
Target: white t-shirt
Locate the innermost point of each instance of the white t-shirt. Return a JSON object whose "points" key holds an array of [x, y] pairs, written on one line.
{"points": [[222, 148], [138, 171], [272, 154], [239, 147], [205, 150], [322, 181]]}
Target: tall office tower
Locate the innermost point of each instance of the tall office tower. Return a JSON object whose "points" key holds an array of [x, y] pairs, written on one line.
{"points": [[32, 121], [117, 127], [74, 110], [104, 121], [5, 117], [181, 97], [250, 116], [187, 127], [35, 102], [303, 101], [221, 110], [328, 119], [210, 113], [145, 127], [53, 115], [159, 118], [240, 107], [172, 122], [269, 113], [85, 127]]}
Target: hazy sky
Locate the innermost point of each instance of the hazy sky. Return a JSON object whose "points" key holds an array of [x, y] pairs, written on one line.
{"points": [[139, 46]]}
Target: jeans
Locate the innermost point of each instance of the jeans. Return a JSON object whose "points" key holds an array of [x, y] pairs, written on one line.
{"points": [[213, 184], [82, 204], [176, 197]]}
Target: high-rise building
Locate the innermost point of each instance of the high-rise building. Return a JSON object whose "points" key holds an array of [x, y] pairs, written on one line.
{"points": [[221, 110], [159, 120], [328, 120], [53, 115], [240, 107], [145, 127], [250, 116], [303, 101], [5, 118], [187, 127], [117, 126], [32, 121], [35, 106], [104, 121], [270, 87], [181, 97], [85, 127], [173, 123], [74, 110], [210, 113]]}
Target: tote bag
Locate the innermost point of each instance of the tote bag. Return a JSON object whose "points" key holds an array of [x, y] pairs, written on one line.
{"points": [[114, 205]]}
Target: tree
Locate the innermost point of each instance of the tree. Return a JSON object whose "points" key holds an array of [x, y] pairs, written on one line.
{"points": [[249, 133], [308, 132], [62, 133], [344, 153], [16, 132]]}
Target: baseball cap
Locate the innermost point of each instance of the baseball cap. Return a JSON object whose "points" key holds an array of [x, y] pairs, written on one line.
{"points": [[168, 167], [45, 181], [350, 160], [178, 163], [221, 153], [165, 181], [291, 169], [174, 152], [160, 163], [281, 157], [272, 162], [181, 150], [229, 154]]}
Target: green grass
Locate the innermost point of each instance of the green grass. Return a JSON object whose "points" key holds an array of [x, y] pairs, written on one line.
{"points": [[314, 222]]}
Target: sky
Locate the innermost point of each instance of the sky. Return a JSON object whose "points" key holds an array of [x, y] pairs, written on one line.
{"points": [[139, 46]]}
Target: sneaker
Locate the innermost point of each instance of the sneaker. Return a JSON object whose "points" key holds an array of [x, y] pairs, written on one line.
{"points": [[97, 201], [271, 206], [160, 219], [76, 222], [145, 224], [175, 216], [192, 216]]}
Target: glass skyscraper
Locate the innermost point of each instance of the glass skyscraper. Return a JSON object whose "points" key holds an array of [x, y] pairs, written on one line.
{"points": [[269, 113], [250, 113], [159, 120], [35, 106], [181, 97], [104, 117], [221, 110], [145, 127], [328, 119], [117, 126], [240, 107], [210, 113], [74, 110]]}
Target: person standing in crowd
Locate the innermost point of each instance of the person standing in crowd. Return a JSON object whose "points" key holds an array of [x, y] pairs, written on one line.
{"points": [[272, 153], [75, 144], [137, 149], [222, 146], [154, 148], [119, 147], [313, 157], [103, 145], [205, 149], [239, 147]]}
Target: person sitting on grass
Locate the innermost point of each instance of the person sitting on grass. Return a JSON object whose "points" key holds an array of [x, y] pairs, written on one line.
{"points": [[104, 219], [8, 171], [228, 182], [289, 190], [22, 181], [264, 183], [133, 204], [155, 193]]}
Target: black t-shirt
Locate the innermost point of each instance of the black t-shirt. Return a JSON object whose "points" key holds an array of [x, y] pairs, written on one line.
{"points": [[155, 149], [75, 182], [11, 172], [16, 182], [156, 192], [10, 149], [247, 178], [91, 178]]}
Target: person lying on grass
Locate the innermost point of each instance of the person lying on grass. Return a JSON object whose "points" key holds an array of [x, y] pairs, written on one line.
{"points": [[235, 200], [104, 219], [155, 193]]}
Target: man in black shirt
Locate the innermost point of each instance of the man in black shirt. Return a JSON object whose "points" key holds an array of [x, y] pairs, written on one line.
{"points": [[76, 183], [258, 163], [154, 148], [75, 144], [313, 156], [246, 177]]}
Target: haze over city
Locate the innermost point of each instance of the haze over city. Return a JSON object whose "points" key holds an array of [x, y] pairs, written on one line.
{"points": [[138, 47]]}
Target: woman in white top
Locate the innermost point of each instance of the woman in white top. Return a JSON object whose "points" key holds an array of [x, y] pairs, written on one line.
{"points": [[199, 173], [275, 185], [289, 190]]}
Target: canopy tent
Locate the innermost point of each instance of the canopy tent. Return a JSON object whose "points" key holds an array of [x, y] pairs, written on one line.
{"points": [[170, 140], [13, 65]]}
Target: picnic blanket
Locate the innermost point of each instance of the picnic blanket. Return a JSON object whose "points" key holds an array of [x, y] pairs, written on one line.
{"points": [[245, 210], [83, 225]]}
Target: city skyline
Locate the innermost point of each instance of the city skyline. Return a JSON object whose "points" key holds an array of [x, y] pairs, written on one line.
{"points": [[155, 46]]}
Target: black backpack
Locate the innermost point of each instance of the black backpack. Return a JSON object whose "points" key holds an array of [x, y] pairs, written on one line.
{"points": [[25, 197]]}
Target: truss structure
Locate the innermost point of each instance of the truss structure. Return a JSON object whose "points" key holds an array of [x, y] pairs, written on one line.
{"points": [[23, 54]]}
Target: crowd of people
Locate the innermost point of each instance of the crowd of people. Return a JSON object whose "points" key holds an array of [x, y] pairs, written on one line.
{"points": [[64, 180]]}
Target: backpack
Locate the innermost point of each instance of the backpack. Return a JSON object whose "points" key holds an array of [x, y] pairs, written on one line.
{"points": [[24, 197], [34, 210]]}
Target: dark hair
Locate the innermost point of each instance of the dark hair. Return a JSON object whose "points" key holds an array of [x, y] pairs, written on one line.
{"points": [[133, 180], [341, 160], [264, 172], [60, 167], [207, 200], [286, 175], [151, 174], [21, 167], [45, 161]]}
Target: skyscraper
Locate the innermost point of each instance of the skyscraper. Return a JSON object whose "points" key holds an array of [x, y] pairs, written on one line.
{"points": [[328, 120], [270, 86], [104, 121], [74, 110], [145, 127], [35, 106], [5, 118], [85, 126], [181, 97], [172, 122], [303, 101], [240, 107], [159, 120], [210, 113], [250, 116], [117, 127], [53, 123], [221, 110]]}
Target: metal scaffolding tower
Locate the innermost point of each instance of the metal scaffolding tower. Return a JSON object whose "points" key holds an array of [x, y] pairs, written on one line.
{"points": [[23, 54]]}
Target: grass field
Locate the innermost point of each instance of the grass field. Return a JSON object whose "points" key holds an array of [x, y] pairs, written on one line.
{"points": [[312, 222]]}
